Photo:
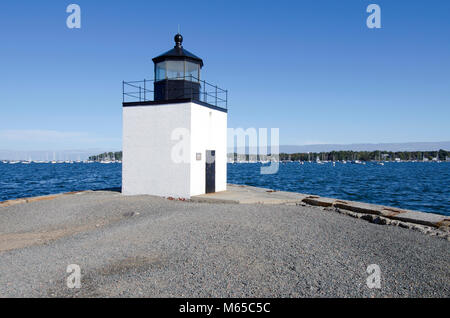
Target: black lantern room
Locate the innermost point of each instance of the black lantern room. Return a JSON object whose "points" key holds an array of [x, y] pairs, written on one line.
{"points": [[177, 74]]}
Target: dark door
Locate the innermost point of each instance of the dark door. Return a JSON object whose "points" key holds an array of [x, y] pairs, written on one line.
{"points": [[210, 171]]}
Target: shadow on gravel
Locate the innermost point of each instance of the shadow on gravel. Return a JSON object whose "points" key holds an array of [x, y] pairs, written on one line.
{"points": [[117, 189]]}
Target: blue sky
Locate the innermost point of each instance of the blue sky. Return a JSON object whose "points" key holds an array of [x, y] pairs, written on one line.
{"points": [[311, 68]]}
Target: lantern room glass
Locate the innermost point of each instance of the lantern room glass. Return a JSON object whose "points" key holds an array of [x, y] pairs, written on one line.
{"points": [[177, 70], [160, 71], [192, 71]]}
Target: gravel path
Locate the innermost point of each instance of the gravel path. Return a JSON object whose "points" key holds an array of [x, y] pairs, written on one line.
{"points": [[151, 247]]}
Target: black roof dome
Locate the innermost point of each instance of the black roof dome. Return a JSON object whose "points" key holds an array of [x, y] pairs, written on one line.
{"points": [[178, 53]]}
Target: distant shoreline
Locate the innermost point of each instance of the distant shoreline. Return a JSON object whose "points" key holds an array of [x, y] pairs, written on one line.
{"points": [[84, 154]]}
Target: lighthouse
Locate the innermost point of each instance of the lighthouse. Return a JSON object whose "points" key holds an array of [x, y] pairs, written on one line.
{"points": [[174, 130]]}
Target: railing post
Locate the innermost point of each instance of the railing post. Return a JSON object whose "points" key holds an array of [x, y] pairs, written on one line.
{"points": [[205, 99], [140, 99], [123, 91], [216, 95], [145, 89], [226, 99]]}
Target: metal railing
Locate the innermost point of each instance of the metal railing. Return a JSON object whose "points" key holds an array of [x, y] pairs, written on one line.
{"points": [[142, 91]]}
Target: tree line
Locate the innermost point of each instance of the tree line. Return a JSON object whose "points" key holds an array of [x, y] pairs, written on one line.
{"points": [[112, 156], [367, 155], [329, 156], [348, 155]]}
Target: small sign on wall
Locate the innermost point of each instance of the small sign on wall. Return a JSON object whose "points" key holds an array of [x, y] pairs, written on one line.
{"points": [[198, 156]]}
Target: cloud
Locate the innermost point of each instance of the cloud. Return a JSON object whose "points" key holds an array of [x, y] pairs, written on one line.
{"points": [[40, 135], [311, 142], [37, 139]]}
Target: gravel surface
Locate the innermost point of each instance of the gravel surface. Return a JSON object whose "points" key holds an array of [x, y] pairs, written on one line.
{"points": [[151, 247]]}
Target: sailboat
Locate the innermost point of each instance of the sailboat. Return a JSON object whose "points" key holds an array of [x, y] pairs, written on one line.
{"points": [[27, 162], [381, 163]]}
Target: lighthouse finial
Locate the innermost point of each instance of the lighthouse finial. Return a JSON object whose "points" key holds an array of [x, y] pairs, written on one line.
{"points": [[178, 40]]}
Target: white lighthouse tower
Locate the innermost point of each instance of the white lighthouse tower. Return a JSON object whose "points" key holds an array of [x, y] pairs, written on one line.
{"points": [[174, 130]]}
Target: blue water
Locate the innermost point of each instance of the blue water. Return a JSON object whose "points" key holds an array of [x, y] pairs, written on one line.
{"points": [[28, 180], [419, 186], [416, 186]]}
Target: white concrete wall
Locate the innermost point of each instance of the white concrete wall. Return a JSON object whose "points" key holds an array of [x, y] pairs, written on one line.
{"points": [[208, 132], [147, 166]]}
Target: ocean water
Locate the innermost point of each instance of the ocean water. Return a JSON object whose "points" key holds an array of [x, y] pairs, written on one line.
{"points": [[422, 186], [28, 180], [416, 186]]}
